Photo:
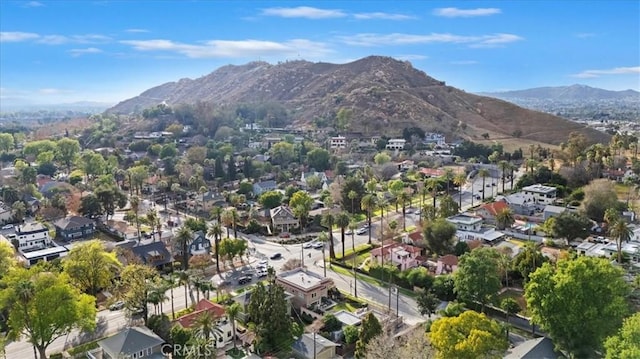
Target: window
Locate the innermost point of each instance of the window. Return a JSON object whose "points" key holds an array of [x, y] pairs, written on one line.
{"points": [[148, 351]]}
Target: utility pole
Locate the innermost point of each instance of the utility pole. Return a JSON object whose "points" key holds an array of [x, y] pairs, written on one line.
{"points": [[302, 255], [397, 301], [315, 356]]}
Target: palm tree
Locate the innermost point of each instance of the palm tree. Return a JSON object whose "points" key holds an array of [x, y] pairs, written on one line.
{"points": [[183, 238], [504, 167], [620, 231], [184, 278], [433, 184], [448, 177], [353, 225], [328, 220], [232, 313], [170, 281], [504, 218], [460, 180], [484, 173], [135, 207], [156, 296], [154, 221], [234, 222], [404, 197], [352, 195], [382, 203], [206, 327], [227, 220], [199, 284], [215, 231], [342, 221], [323, 238], [368, 204]]}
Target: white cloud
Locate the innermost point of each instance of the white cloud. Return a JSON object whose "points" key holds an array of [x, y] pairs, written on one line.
{"points": [[88, 50], [381, 16], [15, 36], [234, 49], [306, 12], [73, 39], [464, 62], [370, 39], [33, 4], [455, 12], [614, 71], [411, 57], [136, 31]]}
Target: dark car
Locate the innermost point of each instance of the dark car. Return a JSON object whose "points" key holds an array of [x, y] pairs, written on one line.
{"points": [[276, 256], [245, 279]]}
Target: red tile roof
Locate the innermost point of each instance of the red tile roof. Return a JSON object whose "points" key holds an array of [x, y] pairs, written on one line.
{"points": [[495, 207], [449, 260], [204, 305], [432, 172], [416, 236], [388, 247]]}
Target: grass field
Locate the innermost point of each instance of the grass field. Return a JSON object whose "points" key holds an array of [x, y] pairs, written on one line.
{"points": [[518, 297]]}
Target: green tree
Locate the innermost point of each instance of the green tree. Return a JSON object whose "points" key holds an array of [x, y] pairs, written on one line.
{"points": [[7, 142], [19, 210], [44, 306], [369, 328], [448, 207], [7, 258], [319, 159], [301, 203], [282, 153], [328, 220], [438, 236], [67, 151], [182, 240], [352, 184], [215, 231], [571, 225], [342, 221], [381, 158], [510, 306], [368, 204], [90, 266], [267, 310], [579, 302], [233, 311], [621, 232], [625, 344], [270, 199], [460, 180], [351, 333], [427, 302], [470, 335], [477, 278], [504, 218], [599, 195], [135, 286], [528, 260], [484, 173]]}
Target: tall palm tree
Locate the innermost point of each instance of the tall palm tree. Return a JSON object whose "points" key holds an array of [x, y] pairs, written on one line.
{"points": [[368, 204], [234, 222], [323, 238], [154, 221], [227, 220], [184, 278], [342, 221], [352, 195], [215, 231], [134, 201], [504, 167], [382, 203], [206, 327], [170, 281], [328, 220], [621, 232], [484, 173], [448, 177], [460, 180], [433, 184], [183, 238], [232, 313], [353, 225], [405, 197]]}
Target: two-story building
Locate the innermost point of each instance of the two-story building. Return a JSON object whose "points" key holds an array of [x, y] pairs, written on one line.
{"points": [[337, 142], [130, 343], [469, 228], [6, 213], [403, 256], [32, 236], [520, 203], [224, 334], [396, 144], [541, 194], [74, 227], [283, 220], [307, 288], [489, 211], [198, 245], [264, 186]]}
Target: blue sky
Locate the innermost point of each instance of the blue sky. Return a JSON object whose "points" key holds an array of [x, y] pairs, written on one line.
{"points": [[65, 51]]}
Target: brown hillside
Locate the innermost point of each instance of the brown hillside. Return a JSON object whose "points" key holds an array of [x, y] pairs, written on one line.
{"points": [[386, 95]]}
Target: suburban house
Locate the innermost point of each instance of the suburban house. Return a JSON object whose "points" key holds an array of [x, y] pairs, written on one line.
{"points": [[470, 227], [6, 214], [489, 211], [199, 244], [552, 211], [283, 219], [244, 298], [436, 138], [314, 346], [337, 142], [32, 236], [306, 287], [217, 311], [321, 175], [520, 203], [121, 229], [396, 144], [74, 227], [209, 199], [538, 348], [541, 194], [446, 264], [401, 255], [262, 187], [154, 254], [131, 343]]}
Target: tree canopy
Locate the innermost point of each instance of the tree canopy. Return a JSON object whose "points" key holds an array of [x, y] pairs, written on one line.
{"points": [[477, 277], [578, 303], [90, 266], [267, 310], [626, 343]]}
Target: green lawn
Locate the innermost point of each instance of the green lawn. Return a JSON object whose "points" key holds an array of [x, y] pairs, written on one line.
{"points": [[371, 280], [518, 297]]}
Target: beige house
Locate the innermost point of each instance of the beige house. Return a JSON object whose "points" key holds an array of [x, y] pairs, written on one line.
{"points": [[306, 287], [314, 346], [283, 219]]}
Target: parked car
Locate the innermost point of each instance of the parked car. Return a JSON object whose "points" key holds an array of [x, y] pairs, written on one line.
{"points": [[307, 245], [263, 262], [348, 232], [8, 226], [318, 245], [361, 231], [117, 305], [262, 273], [285, 235], [276, 256], [244, 280]]}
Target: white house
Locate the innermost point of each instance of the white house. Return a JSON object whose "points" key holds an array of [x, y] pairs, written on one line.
{"points": [[338, 142], [435, 138], [470, 228], [396, 144], [541, 194], [32, 236], [6, 214]]}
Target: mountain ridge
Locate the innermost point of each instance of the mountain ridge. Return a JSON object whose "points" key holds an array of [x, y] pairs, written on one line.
{"points": [[576, 92], [384, 94]]}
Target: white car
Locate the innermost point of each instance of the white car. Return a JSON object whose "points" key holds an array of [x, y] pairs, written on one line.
{"points": [[362, 231], [263, 262], [307, 245], [8, 226], [318, 245], [262, 273]]}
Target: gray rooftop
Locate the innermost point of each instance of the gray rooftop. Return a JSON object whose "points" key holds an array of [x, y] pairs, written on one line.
{"points": [[538, 188], [305, 345], [301, 278], [539, 348], [464, 219], [347, 318], [129, 341]]}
